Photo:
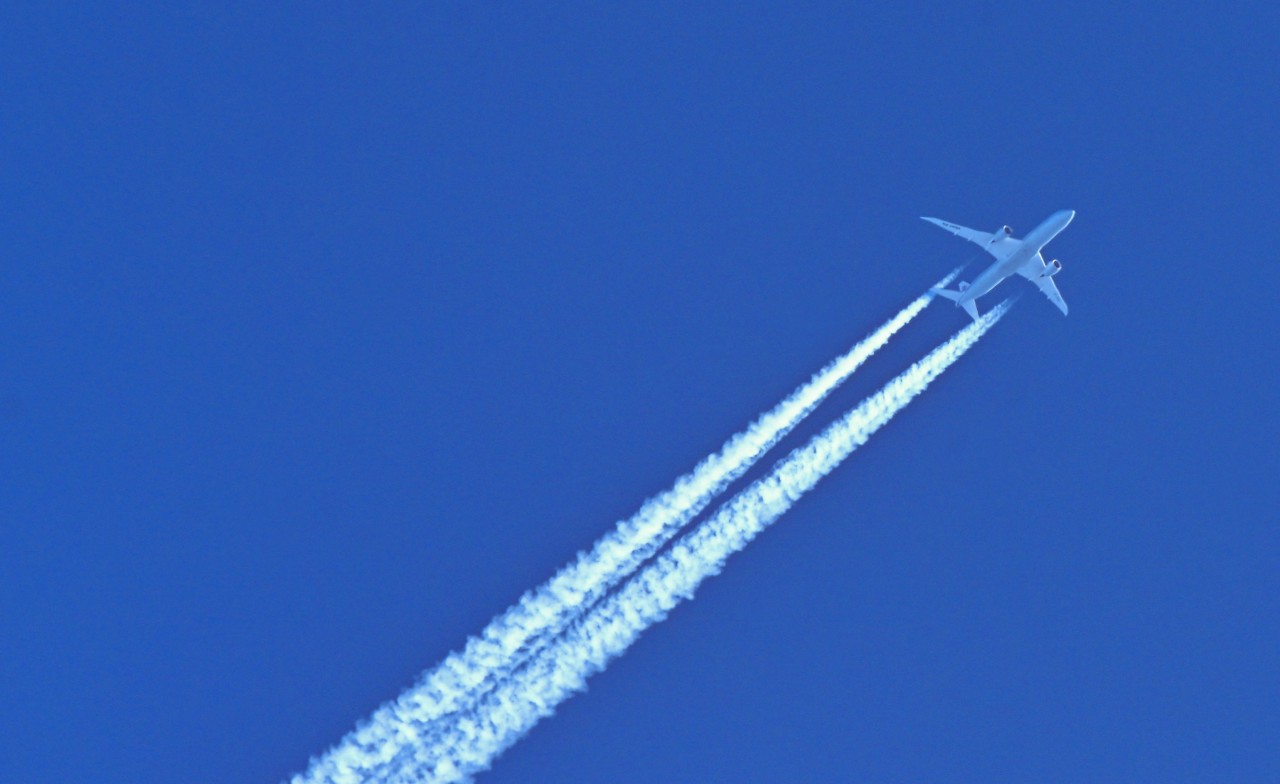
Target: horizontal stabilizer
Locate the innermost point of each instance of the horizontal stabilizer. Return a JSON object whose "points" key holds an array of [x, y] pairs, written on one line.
{"points": [[969, 306]]}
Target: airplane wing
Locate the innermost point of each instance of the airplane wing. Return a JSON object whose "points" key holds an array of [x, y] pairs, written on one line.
{"points": [[1032, 271], [999, 244]]}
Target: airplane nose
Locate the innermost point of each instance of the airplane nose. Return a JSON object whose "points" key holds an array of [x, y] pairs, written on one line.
{"points": [[1066, 216]]}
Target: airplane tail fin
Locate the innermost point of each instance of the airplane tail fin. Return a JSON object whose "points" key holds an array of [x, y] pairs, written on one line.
{"points": [[970, 306]]}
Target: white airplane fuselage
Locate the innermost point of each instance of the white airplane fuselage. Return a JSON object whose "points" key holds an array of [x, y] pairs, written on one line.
{"points": [[1036, 239]]}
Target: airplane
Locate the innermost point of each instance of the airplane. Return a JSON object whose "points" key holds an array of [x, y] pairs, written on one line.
{"points": [[1020, 256]]}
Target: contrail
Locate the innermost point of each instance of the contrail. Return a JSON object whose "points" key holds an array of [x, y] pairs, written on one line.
{"points": [[504, 715], [544, 612]]}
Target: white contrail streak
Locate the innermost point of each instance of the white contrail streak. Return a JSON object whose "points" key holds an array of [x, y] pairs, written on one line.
{"points": [[540, 614], [507, 713]]}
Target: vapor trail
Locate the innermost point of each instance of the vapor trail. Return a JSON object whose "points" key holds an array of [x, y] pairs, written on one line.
{"points": [[504, 715], [541, 614]]}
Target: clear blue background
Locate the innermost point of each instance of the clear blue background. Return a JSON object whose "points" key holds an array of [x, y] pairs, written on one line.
{"points": [[328, 330]]}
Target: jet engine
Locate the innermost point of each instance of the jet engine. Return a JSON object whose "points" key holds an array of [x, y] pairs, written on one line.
{"points": [[1001, 233], [1051, 269]]}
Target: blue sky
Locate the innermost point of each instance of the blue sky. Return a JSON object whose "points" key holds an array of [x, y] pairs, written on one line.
{"points": [[330, 330]]}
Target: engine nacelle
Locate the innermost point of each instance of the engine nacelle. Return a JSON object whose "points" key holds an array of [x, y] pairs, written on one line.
{"points": [[1051, 269], [1001, 233]]}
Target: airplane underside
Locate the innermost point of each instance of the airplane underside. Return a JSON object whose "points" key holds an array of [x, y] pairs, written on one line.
{"points": [[1012, 256]]}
